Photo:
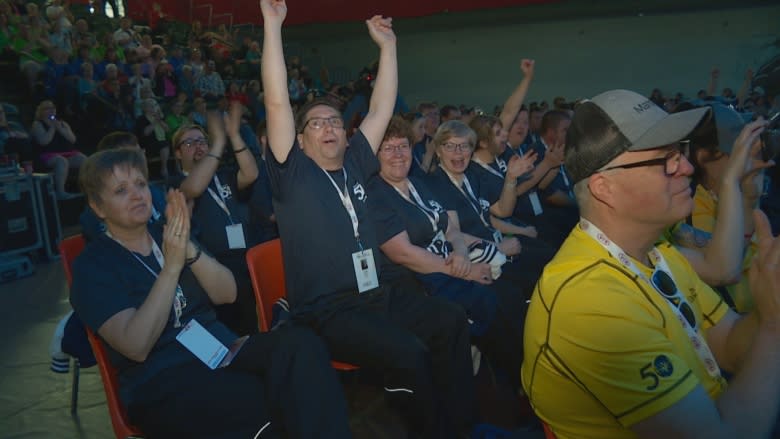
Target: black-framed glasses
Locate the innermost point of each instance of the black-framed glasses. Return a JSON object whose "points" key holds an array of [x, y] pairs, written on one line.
{"points": [[392, 149], [319, 123], [665, 285], [671, 161], [189, 143], [451, 147]]}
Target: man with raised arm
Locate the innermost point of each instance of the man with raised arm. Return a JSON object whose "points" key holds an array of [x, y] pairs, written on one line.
{"points": [[622, 338], [420, 344]]}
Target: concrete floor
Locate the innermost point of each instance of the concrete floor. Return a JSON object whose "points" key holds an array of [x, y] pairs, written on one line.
{"points": [[34, 401]]}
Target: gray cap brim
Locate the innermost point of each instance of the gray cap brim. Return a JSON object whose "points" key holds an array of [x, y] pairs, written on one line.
{"points": [[670, 129]]}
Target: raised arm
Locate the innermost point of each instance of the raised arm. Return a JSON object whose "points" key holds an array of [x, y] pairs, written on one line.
{"points": [[203, 170], [743, 89], [719, 262], [380, 109], [516, 167], [247, 165], [279, 115], [515, 100]]}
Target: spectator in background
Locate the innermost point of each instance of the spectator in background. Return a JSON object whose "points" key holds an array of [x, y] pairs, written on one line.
{"points": [[210, 84], [56, 13], [198, 113], [56, 143], [175, 119], [125, 36], [165, 82], [152, 132], [449, 112]]}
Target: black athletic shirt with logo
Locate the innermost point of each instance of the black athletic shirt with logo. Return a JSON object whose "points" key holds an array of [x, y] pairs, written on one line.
{"points": [[315, 228]]}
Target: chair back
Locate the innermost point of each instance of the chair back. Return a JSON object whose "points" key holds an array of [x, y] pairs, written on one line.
{"points": [[266, 271], [548, 433], [122, 427], [70, 248]]}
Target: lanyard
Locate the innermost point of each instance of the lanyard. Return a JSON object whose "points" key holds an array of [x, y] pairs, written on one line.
{"points": [[472, 199], [488, 167], [431, 214], [179, 301], [698, 342], [346, 201], [220, 200]]}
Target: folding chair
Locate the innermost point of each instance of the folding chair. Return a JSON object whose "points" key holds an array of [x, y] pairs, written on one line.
{"points": [[69, 249], [266, 271]]}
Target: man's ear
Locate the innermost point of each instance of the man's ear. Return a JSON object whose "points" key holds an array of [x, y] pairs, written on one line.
{"points": [[601, 188], [300, 140]]}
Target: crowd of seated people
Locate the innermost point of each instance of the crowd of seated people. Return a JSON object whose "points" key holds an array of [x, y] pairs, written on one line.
{"points": [[444, 211]]}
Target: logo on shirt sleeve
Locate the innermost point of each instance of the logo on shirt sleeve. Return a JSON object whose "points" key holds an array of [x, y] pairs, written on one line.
{"points": [[661, 367], [359, 192]]}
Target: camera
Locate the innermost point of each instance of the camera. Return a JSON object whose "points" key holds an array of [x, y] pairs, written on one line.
{"points": [[771, 138], [52, 117]]}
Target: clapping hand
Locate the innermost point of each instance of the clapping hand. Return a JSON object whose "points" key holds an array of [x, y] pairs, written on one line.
{"points": [[176, 233], [518, 166]]}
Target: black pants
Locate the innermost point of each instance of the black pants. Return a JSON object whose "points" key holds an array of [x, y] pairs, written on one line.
{"points": [[520, 274], [241, 315], [420, 344], [280, 381]]}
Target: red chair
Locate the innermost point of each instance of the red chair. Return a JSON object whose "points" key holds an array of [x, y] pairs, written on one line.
{"points": [[266, 271], [548, 433], [69, 249]]}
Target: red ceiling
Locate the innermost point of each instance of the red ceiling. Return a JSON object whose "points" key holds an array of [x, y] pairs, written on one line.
{"points": [[314, 11]]}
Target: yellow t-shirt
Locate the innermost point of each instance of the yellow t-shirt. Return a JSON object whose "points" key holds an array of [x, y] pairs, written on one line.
{"points": [[705, 211], [604, 350]]}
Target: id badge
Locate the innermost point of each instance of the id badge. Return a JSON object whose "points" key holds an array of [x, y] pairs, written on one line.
{"points": [[365, 270], [235, 236], [202, 344], [536, 204]]}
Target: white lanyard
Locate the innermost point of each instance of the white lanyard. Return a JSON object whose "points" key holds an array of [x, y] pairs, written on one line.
{"points": [[472, 199], [179, 301], [431, 214], [488, 167], [220, 200], [346, 201], [698, 342]]}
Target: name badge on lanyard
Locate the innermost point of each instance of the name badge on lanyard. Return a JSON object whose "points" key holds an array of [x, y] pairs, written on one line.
{"points": [[362, 260], [234, 231]]}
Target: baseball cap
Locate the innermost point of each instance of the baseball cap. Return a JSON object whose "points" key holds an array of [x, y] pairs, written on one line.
{"points": [[617, 121], [728, 124]]}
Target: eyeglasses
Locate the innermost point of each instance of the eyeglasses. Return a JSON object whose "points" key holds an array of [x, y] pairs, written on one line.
{"points": [[189, 143], [666, 286], [671, 161], [460, 147], [392, 149], [319, 123]]}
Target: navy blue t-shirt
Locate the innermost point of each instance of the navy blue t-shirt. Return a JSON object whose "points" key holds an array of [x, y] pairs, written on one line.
{"points": [[561, 182], [211, 220], [108, 278], [395, 214], [452, 198], [316, 231]]}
